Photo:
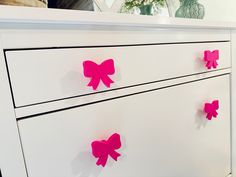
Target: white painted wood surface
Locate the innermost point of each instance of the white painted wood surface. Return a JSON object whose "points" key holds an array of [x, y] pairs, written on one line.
{"points": [[233, 102], [11, 157], [93, 98], [46, 75], [56, 28], [38, 35], [19, 15], [164, 134]]}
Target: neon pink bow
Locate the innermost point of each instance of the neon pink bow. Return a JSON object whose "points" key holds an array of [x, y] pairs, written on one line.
{"points": [[101, 149], [211, 58], [99, 72], [211, 109]]}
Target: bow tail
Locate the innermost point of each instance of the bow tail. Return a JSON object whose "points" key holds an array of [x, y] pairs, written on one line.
{"points": [[107, 80], [209, 116], [94, 82], [102, 160], [114, 155], [215, 64], [215, 114], [209, 64]]}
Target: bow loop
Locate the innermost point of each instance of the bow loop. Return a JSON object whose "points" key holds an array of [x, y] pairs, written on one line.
{"points": [[114, 141], [98, 148], [104, 148], [99, 73], [215, 104], [89, 68], [108, 67], [216, 54]]}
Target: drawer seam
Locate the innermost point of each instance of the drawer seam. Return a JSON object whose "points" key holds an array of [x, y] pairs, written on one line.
{"points": [[114, 98], [107, 46], [124, 87]]}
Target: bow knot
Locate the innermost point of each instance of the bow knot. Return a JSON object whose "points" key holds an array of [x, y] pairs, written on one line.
{"points": [[211, 109], [99, 73], [211, 58], [104, 148]]}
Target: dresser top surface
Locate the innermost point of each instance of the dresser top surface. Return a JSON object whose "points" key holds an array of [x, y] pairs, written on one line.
{"points": [[29, 15]]}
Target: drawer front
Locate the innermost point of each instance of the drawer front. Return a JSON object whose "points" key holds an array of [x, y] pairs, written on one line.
{"points": [[39, 76], [164, 133]]}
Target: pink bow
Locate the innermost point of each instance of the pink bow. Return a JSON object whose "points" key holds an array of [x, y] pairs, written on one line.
{"points": [[211, 109], [99, 72], [211, 58], [101, 149]]}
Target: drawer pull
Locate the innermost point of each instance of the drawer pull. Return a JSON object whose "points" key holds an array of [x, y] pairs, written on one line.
{"points": [[211, 58], [104, 148], [99, 73], [211, 109]]}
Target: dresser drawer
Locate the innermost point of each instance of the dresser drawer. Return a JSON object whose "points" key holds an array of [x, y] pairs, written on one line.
{"points": [[161, 139], [46, 75]]}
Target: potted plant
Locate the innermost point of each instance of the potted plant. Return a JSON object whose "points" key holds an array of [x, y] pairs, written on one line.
{"points": [[145, 6]]}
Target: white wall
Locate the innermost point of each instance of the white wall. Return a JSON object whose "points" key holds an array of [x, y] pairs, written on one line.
{"points": [[220, 10]]}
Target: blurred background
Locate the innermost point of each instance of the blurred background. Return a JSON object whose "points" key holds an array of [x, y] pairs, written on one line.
{"points": [[217, 10]]}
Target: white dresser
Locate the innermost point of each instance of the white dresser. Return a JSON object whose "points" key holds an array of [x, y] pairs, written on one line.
{"points": [[71, 80]]}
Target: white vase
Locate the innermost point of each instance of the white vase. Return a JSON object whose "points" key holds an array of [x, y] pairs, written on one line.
{"points": [[172, 6], [108, 5]]}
